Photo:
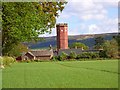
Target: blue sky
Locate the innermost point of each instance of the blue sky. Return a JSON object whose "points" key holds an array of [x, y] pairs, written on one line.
{"points": [[89, 17]]}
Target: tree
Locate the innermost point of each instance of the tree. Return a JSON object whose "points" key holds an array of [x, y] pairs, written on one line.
{"points": [[0, 31], [117, 38], [99, 42], [17, 50], [0, 43], [110, 49], [79, 45], [25, 21]]}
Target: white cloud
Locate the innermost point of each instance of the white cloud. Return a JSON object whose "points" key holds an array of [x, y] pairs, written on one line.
{"points": [[93, 28], [110, 25], [89, 10], [86, 10], [107, 26]]}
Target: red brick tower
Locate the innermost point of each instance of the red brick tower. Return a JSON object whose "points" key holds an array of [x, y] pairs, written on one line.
{"points": [[62, 36]]}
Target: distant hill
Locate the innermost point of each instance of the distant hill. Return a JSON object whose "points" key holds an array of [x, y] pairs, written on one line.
{"points": [[88, 39]]}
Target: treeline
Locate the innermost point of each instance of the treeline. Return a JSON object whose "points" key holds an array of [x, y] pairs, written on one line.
{"points": [[74, 56], [109, 48]]}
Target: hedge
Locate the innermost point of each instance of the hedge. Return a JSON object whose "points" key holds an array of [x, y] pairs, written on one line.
{"points": [[6, 61]]}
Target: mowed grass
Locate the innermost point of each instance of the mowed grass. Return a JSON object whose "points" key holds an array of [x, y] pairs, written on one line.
{"points": [[68, 74]]}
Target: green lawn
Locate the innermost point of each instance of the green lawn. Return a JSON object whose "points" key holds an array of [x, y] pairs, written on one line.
{"points": [[68, 74]]}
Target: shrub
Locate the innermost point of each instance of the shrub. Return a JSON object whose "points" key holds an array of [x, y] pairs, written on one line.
{"points": [[36, 60], [7, 61], [41, 60], [78, 45], [32, 60], [54, 58], [28, 61], [60, 58], [1, 60], [86, 55], [72, 55], [110, 49], [63, 56], [103, 54], [89, 55], [95, 55]]}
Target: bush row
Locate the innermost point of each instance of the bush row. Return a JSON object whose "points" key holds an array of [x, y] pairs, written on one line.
{"points": [[29, 61], [89, 55], [74, 56]]}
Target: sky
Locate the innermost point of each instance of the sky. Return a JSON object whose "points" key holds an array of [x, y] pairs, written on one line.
{"points": [[89, 17]]}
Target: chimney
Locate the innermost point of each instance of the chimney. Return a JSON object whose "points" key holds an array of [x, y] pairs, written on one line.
{"points": [[62, 36]]}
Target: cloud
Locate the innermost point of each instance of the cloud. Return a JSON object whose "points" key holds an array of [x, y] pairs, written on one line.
{"points": [[107, 26], [88, 9], [110, 25], [95, 16], [93, 28], [87, 12]]}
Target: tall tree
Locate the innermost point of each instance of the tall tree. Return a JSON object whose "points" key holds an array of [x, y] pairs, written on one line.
{"points": [[99, 42], [0, 29], [25, 21], [117, 38], [110, 49], [17, 50], [79, 45]]}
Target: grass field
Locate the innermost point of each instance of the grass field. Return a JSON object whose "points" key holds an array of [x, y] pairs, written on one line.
{"points": [[68, 74]]}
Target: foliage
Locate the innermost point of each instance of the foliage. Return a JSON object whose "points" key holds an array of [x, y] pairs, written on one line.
{"points": [[63, 56], [54, 58], [99, 42], [25, 21], [72, 55], [7, 61], [103, 54], [89, 55], [75, 74], [117, 38], [111, 48], [59, 58], [1, 60], [17, 50], [95, 55], [28, 61], [41, 60], [79, 45]]}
